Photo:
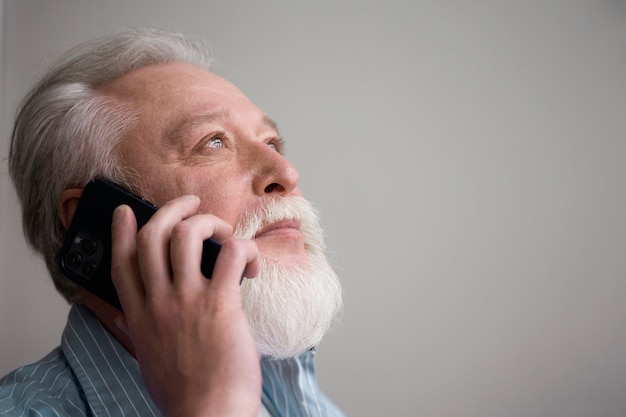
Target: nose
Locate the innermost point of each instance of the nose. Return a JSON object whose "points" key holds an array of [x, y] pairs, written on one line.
{"points": [[273, 173]]}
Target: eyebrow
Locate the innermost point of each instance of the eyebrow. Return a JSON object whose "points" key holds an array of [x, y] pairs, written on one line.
{"points": [[177, 134], [268, 121]]}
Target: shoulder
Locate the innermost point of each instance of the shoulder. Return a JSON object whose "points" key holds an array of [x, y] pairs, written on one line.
{"points": [[47, 387]]}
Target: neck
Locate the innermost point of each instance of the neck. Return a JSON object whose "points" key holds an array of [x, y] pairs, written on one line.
{"points": [[107, 314]]}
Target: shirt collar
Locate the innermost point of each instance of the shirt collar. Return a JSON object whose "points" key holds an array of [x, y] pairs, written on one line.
{"points": [[290, 386]]}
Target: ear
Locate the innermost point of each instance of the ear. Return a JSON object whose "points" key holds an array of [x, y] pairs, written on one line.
{"points": [[66, 205]]}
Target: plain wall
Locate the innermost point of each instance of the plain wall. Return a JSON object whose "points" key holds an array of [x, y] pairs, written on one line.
{"points": [[468, 159]]}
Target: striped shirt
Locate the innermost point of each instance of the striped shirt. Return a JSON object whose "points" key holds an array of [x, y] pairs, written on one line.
{"points": [[92, 374]]}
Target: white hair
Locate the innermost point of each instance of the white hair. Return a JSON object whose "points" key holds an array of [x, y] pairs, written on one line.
{"points": [[66, 130], [290, 307]]}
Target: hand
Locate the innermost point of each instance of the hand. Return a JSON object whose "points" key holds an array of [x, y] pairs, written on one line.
{"points": [[190, 334]]}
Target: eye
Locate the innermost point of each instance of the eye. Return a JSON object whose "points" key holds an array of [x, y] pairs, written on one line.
{"points": [[215, 142], [277, 145]]}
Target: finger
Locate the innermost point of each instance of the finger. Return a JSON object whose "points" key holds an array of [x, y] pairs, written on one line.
{"points": [[124, 268], [153, 243], [186, 246], [237, 257]]}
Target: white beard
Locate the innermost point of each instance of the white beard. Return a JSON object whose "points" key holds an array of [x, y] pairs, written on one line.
{"points": [[290, 307]]}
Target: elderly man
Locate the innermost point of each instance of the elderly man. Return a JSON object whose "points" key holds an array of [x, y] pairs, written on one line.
{"points": [[141, 109]]}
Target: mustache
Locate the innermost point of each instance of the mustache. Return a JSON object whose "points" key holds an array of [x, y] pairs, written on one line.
{"points": [[280, 209]]}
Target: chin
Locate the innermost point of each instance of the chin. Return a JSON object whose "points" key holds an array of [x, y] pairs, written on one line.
{"points": [[290, 308]]}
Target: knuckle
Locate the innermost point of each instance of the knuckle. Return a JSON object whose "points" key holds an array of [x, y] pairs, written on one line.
{"points": [[233, 246], [237, 249], [182, 230], [146, 234]]}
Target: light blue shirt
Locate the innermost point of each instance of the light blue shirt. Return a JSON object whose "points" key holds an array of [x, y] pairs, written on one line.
{"points": [[92, 374]]}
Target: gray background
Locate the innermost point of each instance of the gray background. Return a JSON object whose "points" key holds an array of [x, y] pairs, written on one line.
{"points": [[468, 158]]}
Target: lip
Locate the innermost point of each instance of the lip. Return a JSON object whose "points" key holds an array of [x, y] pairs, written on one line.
{"points": [[279, 228]]}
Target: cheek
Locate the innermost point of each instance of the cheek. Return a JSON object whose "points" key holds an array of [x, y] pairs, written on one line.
{"points": [[221, 196]]}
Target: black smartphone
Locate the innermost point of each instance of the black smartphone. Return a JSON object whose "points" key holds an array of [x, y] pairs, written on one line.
{"points": [[85, 256]]}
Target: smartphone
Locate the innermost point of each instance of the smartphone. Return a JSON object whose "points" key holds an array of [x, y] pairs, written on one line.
{"points": [[85, 256]]}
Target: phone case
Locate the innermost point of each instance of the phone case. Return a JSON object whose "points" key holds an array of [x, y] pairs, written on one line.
{"points": [[85, 256]]}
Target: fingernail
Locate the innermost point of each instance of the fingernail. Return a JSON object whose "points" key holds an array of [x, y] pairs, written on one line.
{"points": [[118, 214], [119, 322]]}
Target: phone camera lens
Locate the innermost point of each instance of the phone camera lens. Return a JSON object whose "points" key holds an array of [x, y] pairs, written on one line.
{"points": [[88, 269], [72, 260], [88, 245]]}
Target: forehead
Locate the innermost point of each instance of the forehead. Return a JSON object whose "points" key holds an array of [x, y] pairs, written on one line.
{"points": [[177, 88]]}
